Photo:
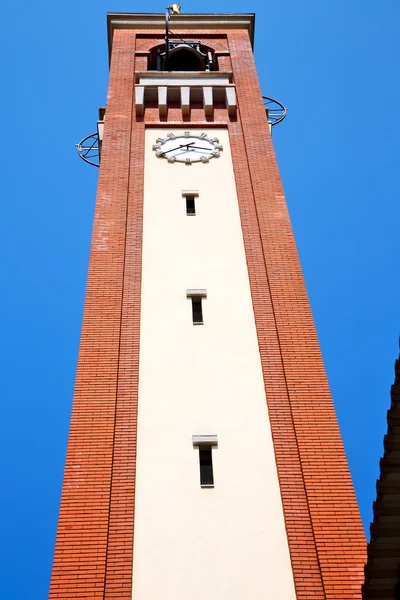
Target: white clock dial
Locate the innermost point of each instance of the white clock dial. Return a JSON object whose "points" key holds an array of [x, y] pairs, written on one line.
{"points": [[187, 148]]}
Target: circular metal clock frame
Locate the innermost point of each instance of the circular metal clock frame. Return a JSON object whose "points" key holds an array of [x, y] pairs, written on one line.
{"points": [[89, 149], [276, 110]]}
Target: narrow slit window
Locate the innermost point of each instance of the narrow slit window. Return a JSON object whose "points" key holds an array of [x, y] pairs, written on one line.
{"points": [[190, 205], [197, 310], [190, 201], [196, 296], [206, 467]]}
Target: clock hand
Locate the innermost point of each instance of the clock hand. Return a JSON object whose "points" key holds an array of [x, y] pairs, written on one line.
{"points": [[202, 148], [171, 150], [177, 148]]}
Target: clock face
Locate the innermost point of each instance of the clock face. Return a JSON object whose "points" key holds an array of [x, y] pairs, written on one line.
{"points": [[187, 148]]}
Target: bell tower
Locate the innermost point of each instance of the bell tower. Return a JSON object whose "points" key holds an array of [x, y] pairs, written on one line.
{"points": [[204, 456]]}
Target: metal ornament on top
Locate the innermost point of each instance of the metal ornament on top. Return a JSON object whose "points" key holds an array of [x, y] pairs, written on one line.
{"points": [[172, 9]]}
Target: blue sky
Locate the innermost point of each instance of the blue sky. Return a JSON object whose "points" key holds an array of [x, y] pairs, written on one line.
{"points": [[335, 65]]}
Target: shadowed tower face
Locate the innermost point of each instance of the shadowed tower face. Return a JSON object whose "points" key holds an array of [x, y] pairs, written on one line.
{"points": [[382, 571], [204, 457]]}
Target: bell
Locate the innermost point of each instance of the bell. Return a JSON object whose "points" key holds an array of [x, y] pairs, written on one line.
{"points": [[175, 9]]}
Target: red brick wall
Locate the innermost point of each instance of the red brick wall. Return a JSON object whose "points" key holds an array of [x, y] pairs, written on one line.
{"points": [[326, 538], [94, 549], [92, 557]]}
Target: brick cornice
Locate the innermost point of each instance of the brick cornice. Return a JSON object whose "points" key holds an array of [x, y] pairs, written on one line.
{"points": [[197, 22]]}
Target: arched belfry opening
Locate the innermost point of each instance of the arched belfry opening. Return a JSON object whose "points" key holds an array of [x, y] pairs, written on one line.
{"points": [[185, 58], [182, 55]]}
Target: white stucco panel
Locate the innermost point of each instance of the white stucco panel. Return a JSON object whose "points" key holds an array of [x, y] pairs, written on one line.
{"points": [[228, 542]]}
